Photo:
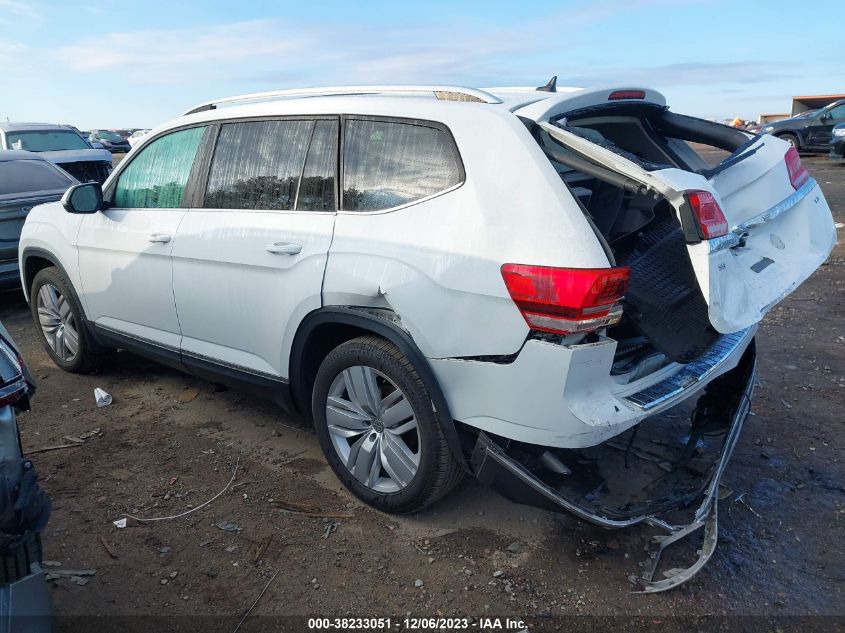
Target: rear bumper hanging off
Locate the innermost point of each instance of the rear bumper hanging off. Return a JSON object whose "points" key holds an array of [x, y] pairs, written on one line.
{"points": [[494, 466]]}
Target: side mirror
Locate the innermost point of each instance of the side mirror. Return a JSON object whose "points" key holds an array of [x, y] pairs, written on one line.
{"points": [[84, 198], [825, 116], [96, 145]]}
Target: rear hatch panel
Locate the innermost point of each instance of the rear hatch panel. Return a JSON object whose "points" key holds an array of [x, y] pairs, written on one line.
{"points": [[778, 236]]}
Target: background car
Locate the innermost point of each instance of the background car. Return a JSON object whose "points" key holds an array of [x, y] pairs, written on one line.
{"points": [[112, 141], [60, 144], [837, 143], [136, 137], [26, 180], [809, 132]]}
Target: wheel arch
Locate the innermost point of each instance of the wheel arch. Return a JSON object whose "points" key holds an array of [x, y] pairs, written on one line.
{"points": [[35, 259], [325, 328], [796, 133]]}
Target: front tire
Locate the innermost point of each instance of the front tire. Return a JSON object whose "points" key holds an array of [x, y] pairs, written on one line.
{"points": [[61, 323], [378, 429]]}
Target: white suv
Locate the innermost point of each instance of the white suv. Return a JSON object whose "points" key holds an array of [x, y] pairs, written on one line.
{"points": [[445, 279]]}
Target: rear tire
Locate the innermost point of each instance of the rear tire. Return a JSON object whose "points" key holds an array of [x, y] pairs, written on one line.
{"points": [[60, 321], [378, 428], [792, 140]]}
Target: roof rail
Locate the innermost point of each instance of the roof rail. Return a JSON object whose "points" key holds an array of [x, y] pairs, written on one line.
{"points": [[445, 93]]}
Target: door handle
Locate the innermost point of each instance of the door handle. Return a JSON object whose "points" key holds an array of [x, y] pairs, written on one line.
{"points": [[284, 248], [159, 238]]}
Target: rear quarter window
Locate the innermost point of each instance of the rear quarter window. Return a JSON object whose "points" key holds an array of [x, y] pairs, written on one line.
{"points": [[388, 163]]}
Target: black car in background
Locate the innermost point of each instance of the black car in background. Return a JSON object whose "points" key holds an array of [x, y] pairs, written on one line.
{"points": [[809, 132], [114, 141], [26, 180], [837, 143]]}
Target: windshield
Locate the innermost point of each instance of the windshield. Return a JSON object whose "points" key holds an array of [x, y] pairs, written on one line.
{"points": [[109, 136], [45, 140]]}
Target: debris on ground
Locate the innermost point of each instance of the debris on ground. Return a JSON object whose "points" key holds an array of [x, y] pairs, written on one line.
{"points": [[228, 526], [188, 395], [330, 527], [102, 397], [181, 514], [418, 583], [108, 548], [53, 448], [311, 511], [261, 548], [248, 611]]}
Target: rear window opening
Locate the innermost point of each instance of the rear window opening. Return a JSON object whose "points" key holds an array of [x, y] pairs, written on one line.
{"points": [[665, 316]]}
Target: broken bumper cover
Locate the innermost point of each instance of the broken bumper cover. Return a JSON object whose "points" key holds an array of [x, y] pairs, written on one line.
{"points": [[493, 466]]}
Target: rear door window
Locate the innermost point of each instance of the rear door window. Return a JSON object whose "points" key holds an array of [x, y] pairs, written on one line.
{"points": [[20, 176], [388, 163], [258, 165], [156, 177]]}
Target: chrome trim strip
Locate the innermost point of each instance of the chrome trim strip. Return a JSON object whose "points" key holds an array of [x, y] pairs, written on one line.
{"points": [[782, 206], [722, 242], [691, 374], [181, 352], [740, 232]]}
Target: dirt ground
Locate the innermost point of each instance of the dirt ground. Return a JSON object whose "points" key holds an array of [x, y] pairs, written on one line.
{"points": [[169, 442]]}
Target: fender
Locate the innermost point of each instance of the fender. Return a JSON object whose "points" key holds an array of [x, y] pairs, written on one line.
{"points": [[388, 330], [34, 251]]}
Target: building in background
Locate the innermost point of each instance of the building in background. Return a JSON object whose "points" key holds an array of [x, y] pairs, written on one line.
{"points": [[813, 102]]}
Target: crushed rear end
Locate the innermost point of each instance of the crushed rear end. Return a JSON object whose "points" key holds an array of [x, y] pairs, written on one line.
{"points": [[708, 251]]}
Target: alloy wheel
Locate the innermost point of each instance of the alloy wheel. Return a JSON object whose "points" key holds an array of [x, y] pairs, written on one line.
{"points": [[373, 428], [57, 322]]}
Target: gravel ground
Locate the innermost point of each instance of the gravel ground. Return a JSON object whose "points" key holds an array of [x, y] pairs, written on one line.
{"points": [[169, 442]]}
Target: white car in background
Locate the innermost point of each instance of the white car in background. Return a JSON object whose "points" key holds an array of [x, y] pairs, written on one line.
{"points": [[136, 137], [60, 144], [512, 283]]}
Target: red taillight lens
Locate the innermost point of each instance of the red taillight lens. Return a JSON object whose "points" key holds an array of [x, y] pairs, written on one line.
{"points": [[626, 94], [12, 391], [798, 174], [711, 221], [565, 300]]}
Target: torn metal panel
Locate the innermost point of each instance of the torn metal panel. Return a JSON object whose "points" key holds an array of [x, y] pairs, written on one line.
{"points": [[588, 490]]}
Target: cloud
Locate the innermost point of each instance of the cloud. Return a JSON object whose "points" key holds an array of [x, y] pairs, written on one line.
{"points": [[268, 49], [166, 56], [689, 73], [20, 9]]}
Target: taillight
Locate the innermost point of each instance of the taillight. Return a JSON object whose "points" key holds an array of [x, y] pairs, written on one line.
{"points": [[12, 391], [708, 214], [798, 174], [566, 300], [616, 95]]}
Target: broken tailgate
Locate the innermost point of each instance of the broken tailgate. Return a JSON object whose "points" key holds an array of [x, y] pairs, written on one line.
{"points": [[780, 228]]}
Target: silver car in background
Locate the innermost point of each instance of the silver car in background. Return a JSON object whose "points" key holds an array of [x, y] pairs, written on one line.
{"points": [[60, 144]]}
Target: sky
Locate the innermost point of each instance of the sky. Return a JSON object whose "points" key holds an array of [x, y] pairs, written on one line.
{"points": [[130, 63]]}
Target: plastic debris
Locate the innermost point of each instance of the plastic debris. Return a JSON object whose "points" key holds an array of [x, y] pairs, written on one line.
{"points": [[228, 526], [120, 523], [102, 397]]}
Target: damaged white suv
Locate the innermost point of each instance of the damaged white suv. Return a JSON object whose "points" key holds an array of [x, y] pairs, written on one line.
{"points": [[514, 283]]}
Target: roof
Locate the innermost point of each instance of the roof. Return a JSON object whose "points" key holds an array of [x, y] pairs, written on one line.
{"points": [[13, 127], [17, 154], [831, 97], [424, 102]]}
